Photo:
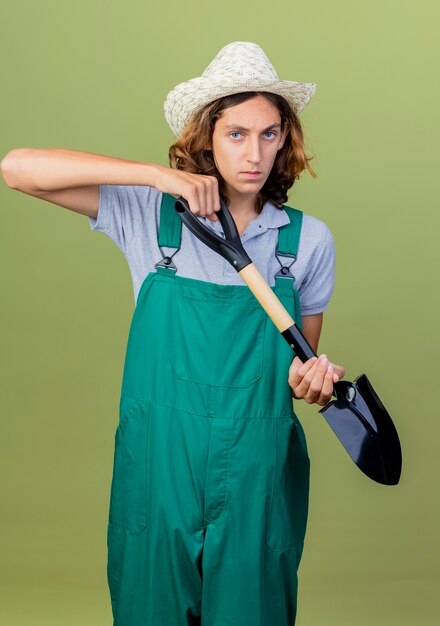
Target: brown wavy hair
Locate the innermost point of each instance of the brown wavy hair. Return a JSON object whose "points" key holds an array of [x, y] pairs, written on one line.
{"points": [[189, 153]]}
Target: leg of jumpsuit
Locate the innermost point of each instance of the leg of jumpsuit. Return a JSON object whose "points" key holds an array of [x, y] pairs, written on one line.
{"points": [[210, 483]]}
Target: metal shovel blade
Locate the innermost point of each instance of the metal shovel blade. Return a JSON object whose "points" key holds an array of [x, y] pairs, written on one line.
{"points": [[366, 430]]}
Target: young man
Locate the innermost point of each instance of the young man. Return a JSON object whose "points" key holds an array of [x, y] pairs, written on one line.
{"points": [[210, 485]]}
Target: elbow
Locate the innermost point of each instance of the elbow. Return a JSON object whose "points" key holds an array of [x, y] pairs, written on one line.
{"points": [[10, 166]]}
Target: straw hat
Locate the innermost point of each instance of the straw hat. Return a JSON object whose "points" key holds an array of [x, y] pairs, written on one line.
{"points": [[239, 66]]}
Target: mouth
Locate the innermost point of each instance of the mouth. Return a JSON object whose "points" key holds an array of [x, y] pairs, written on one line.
{"points": [[252, 174]]}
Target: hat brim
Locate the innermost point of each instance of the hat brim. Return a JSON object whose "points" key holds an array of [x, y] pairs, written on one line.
{"points": [[188, 97]]}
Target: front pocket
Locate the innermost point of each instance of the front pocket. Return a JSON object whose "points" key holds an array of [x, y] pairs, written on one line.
{"points": [[218, 342], [288, 508], [130, 488]]}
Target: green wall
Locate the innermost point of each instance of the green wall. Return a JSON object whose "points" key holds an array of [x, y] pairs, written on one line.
{"points": [[93, 76]]}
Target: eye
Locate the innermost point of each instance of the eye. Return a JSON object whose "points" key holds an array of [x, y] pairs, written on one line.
{"points": [[268, 132]]}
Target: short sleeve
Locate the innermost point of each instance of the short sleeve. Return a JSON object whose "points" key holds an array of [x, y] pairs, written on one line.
{"points": [[318, 284], [118, 214]]}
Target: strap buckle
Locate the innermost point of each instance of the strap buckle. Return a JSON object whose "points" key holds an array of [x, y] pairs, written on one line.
{"points": [[285, 272], [166, 263]]}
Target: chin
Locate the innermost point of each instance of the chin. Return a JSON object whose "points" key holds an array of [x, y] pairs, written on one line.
{"points": [[246, 183], [245, 187]]}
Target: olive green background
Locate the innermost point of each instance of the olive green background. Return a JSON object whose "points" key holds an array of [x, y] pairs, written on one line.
{"points": [[93, 76]]}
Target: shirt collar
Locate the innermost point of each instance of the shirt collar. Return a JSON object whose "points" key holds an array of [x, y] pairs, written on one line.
{"points": [[269, 217]]}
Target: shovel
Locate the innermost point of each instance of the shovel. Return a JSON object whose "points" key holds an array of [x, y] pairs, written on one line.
{"points": [[357, 416]]}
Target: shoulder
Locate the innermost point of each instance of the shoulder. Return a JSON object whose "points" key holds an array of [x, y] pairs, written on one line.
{"points": [[316, 237], [315, 265], [314, 229]]}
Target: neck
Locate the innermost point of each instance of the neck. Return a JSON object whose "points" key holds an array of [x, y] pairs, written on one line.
{"points": [[242, 206]]}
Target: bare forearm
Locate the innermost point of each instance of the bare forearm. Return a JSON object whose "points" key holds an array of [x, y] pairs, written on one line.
{"points": [[311, 328], [48, 169]]}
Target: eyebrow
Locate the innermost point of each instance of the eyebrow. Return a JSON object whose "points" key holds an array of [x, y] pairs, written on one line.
{"points": [[237, 127]]}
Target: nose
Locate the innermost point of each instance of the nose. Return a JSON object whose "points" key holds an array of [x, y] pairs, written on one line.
{"points": [[254, 150]]}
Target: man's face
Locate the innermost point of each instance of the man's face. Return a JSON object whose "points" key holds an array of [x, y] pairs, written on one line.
{"points": [[247, 138]]}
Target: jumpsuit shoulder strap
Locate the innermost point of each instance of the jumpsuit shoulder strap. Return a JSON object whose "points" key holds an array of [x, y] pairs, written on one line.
{"points": [[170, 229], [169, 234], [289, 234], [288, 243]]}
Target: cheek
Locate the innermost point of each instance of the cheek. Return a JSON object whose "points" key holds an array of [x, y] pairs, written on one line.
{"points": [[225, 158], [271, 154]]}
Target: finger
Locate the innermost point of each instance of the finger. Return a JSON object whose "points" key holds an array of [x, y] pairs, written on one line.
{"points": [[193, 200], [316, 383], [201, 197], [214, 198], [295, 364], [298, 369], [293, 377], [302, 383], [198, 197], [327, 387], [217, 203], [338, 372], [208, 196], [213, 217], [307, 365], [293, 373]]}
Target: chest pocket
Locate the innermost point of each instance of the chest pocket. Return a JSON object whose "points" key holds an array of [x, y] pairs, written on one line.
{"points": [[218, 341]]}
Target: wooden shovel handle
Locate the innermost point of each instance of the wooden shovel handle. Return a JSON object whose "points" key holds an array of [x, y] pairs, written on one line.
{"points": [[266, 297], [277, 312]]}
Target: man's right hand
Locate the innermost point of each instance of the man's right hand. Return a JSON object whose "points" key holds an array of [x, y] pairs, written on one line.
{"points": [[200, 191]]}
